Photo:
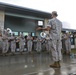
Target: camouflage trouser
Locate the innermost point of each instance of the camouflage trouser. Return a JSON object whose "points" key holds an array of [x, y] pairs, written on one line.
{"points": [[21, 46], [56, 49], [38, 47], [29, 46], [48, 45], [68, 45], [5, 46], [13, 46]]}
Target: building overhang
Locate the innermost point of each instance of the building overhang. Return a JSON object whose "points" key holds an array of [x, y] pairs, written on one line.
{"points": [[8, 8]]}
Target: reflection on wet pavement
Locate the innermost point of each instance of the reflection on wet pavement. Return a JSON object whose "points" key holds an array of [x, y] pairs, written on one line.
{"points": [[35, 64]]}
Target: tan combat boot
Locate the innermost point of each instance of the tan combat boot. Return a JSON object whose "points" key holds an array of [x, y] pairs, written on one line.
{"points": [[55, 65], [59, 63]]}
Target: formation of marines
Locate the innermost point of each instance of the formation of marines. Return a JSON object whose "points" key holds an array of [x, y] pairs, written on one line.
{"points": [[8, 42], [39, 44]]}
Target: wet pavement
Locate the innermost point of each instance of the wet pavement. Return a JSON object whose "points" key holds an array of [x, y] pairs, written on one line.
{"points": [[35, 64]]}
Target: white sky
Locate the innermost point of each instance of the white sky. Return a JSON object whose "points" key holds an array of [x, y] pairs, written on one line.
{"points": [[65, 8]]}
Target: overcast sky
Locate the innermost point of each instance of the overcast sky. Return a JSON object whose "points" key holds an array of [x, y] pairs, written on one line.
{"points": [[65, 8]]}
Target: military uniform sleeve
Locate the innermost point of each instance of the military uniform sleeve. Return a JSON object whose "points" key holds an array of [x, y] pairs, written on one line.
{"points": [[49, 24], [52, 24]]}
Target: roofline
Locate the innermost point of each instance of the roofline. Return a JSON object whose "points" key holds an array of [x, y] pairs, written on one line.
{"points": [[6, 7], [65, 29]]}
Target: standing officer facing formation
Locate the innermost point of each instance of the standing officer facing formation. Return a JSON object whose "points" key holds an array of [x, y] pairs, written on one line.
{"points": [[54, 27]]}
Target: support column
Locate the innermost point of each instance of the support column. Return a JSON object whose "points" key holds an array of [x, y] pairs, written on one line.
{"points": [[2, 17], [45, 25]]}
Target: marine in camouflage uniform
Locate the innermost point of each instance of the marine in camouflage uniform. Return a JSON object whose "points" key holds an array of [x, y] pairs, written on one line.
{"points": [[5, 46], [29, 42], [21, 43], [67, 43], [48, 43], [54, 27], [63, 42], [38, 45], [13, 43], [55, 33]]}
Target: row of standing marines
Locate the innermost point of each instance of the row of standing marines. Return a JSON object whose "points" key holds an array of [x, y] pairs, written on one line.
{"points": [[37, 43], [9, 40]]}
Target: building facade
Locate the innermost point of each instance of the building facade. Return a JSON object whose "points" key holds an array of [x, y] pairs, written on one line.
{"points": [[20, 19]]}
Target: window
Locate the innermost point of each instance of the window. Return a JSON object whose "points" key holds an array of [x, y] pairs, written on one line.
{"points": [[16, 33], [25, 33], [40, 23], [33, 34]]}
